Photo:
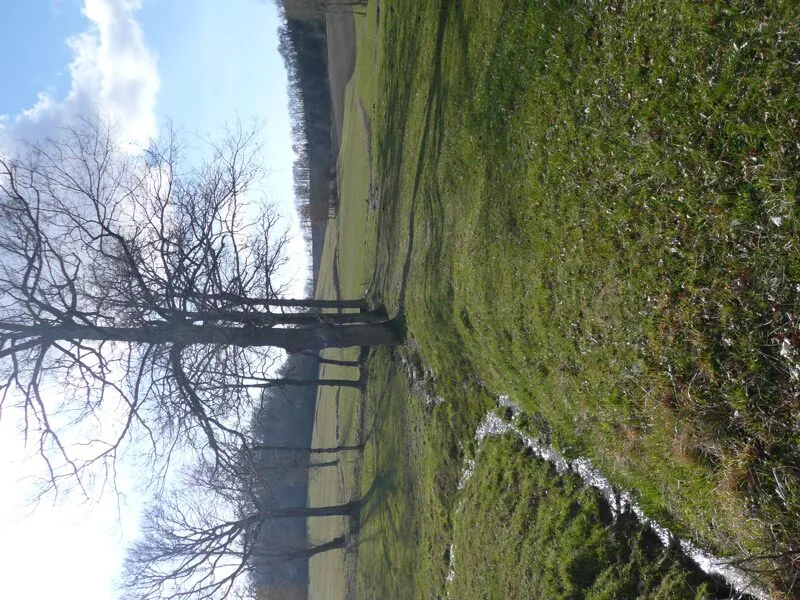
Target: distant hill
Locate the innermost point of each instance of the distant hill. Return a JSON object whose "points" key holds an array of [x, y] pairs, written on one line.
{"points": [[286, 419]]}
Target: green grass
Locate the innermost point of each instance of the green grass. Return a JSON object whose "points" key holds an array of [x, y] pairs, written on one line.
{"points": [[594, 209], [523, 531], [388, 520], [409, 477], [344, 269], [518, 529]]}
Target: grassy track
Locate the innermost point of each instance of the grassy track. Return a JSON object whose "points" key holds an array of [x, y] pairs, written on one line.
{"points": [[342, 275], [522, 531], [335, 423], [409, 477], [344, 270], [594, 208], [600, 204]]}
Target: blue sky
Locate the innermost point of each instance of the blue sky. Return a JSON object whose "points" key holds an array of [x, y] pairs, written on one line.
{"points": [[40, 59], [201, 63]]}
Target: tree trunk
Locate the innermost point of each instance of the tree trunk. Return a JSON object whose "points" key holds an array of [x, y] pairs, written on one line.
{"points": [[303, 319], [359, 303], [335, 543], [351, 383], [324, 450], [339, 363], [336, 510], [290, 339], [332, 361], [284, 555]]}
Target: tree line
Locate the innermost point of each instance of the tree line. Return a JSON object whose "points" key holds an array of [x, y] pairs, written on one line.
{"points": [[242, 527], [302, 45]]}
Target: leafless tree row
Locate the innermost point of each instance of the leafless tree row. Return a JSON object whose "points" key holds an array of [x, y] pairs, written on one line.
{"points": [[139, 305], [205, 539]]}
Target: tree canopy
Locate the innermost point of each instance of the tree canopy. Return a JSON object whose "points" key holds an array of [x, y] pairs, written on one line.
{"points": [[139, 299]]}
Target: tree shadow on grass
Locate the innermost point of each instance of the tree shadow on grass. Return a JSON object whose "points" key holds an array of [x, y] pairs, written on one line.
{"points": [[392, 152]]}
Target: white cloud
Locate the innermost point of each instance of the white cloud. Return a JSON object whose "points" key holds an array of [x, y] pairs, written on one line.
{"points": [[114, 74]]}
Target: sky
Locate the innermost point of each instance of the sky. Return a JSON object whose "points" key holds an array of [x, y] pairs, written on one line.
{"points": [[200, 63]]}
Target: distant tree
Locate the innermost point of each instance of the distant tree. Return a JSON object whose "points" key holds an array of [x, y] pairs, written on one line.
{"points": [[126, 281], [356, 7], [314, 10], [303, 46], [204, 541]]}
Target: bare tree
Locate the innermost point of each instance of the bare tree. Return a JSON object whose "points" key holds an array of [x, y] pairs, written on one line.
{"points": [[267, 382], [204, 541], [134, 289], [193, 553]]}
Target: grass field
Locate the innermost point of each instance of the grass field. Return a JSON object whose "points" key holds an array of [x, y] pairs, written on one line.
{"points": [[523, 531], [593, 208], [409, 477], [336, 423], [344, 271]]}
